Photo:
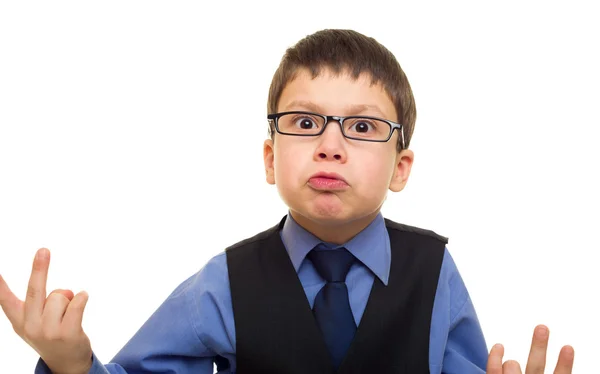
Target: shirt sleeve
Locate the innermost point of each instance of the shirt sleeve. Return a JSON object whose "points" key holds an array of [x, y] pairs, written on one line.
{"points": [[457, 326], [174, 339], [97, 368]]}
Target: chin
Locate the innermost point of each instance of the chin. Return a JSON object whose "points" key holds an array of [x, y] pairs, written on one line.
{"points": [[329, 211], [323, 213], [329, 208]]}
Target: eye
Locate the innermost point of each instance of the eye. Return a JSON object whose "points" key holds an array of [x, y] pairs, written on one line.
{"points": [[305, 123], [362, 126]]}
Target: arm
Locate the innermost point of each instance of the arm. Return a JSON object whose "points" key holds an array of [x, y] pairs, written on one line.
{"points": [[465, 351], [457, 344]]}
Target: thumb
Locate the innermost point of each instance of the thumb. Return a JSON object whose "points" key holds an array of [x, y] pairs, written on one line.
{"points": [[11, 305], [74, 315]]}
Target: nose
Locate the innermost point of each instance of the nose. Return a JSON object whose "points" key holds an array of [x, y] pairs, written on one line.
{"points": [[332, 144]]}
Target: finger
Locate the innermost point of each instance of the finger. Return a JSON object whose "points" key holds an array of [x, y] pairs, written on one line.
{"points": [[36, 290], [494, 365], [11, 305], [511, 367], [536, 363], [73, 318], [54, 310], [566, 357]]}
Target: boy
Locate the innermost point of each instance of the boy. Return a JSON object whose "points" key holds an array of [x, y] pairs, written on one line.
{"points": [[334, 287]]}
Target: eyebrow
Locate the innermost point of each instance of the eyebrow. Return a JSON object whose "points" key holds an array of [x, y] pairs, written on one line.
{"points": [[351, 109]]}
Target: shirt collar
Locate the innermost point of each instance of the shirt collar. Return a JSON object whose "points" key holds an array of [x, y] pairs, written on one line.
{"points": [[371, 246]]}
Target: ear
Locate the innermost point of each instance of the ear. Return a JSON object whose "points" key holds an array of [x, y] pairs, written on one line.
{"points": [[269, 158], [402, 166]]}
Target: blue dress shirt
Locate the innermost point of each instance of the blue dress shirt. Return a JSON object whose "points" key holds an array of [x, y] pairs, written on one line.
{"points": [[196, 323]]}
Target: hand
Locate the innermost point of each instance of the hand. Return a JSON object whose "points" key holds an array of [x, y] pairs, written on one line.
{"points": [[51, 326], [536, 362]]}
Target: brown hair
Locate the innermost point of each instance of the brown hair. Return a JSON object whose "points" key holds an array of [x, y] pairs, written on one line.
{"points": [[351, 51]]}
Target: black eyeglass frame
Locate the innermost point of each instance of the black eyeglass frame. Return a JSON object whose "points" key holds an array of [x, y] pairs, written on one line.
{"points": [[273, 119]]}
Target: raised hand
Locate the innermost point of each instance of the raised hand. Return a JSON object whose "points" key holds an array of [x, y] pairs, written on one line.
{"points": [[53, 325], [536, 363]]}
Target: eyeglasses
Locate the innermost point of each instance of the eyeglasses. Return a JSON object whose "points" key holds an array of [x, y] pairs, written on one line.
{"points": [[363, 128]]}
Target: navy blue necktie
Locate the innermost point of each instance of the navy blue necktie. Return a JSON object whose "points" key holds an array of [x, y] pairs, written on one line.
{"points": [[332, 306]]}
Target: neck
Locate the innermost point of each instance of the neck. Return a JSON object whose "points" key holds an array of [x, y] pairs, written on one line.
{"points": [[334, 232]]}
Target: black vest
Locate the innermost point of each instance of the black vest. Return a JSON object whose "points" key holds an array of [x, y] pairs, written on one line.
{"points": [[276, 332]]}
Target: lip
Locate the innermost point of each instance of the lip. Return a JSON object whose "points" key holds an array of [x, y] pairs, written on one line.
{"points": [[323, 174], [325, 181]]}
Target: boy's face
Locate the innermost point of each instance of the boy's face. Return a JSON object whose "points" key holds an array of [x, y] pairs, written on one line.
{"points": [[367, 169]]}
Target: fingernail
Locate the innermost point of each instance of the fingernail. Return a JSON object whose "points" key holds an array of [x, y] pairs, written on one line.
{"points": [[569, 352], [543, 332], [42, 254]]}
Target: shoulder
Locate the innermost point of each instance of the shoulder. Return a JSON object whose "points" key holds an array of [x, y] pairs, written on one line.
{"points": [[452, 290], [395, 226], [208, 288], [212, 278], [208, 303], [257, 239]]}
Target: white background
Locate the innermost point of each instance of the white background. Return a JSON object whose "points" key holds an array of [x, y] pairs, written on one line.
{"points": [[131, 146]]}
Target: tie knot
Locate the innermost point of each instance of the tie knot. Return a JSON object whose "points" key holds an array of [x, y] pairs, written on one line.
{"points": [[332, 264]]}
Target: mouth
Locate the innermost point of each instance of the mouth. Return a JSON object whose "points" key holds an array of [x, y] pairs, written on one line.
{"points": [[323, 181]]}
